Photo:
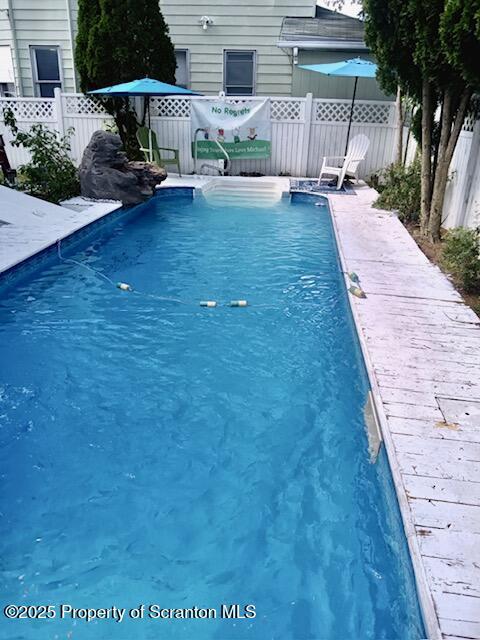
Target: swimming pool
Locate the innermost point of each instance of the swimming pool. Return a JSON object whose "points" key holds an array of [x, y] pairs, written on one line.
{"points": [[156, 452]]}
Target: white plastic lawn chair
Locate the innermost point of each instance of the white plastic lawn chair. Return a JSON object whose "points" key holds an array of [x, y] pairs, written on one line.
{"points": [[356, 152]]}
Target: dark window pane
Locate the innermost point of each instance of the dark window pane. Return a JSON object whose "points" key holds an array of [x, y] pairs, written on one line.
{"points": [[239, 91], [239, 68], [239, 73], [181, 73], [47, 64], [46, 89], [240, 55]]}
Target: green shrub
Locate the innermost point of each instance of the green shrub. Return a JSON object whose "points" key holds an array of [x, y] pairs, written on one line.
{"points": [[399, 188], [50, 174], [461, 256]]}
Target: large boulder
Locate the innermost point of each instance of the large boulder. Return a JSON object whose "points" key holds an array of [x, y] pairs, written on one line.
{"points": [[105, 172]]}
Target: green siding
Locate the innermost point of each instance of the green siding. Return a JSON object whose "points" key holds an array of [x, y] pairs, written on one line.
{"points": [[246, 24], [41, 25], [322, 86]]}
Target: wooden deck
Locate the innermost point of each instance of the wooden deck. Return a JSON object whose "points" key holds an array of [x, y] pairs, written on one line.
{"points": [[421, 344]]}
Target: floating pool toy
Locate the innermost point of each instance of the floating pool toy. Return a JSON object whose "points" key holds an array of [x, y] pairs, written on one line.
{"points": [[124, 286], [208, 303], [238, 303]]}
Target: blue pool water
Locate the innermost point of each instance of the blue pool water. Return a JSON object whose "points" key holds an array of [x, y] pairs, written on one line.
{"points": [[156, 452]]}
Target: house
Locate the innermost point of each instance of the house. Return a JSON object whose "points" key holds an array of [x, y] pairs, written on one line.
{"points": [[243, 48], [328, 37], [37, 36]]}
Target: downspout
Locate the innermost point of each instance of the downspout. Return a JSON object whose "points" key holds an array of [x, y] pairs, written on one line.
{"points": [[17, 73], [72, 45]]}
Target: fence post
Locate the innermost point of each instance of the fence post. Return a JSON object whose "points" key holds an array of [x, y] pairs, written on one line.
{"points": [[473, 159], [57, 96], [307, 124]]}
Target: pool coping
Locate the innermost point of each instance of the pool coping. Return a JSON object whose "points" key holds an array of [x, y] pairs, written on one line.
{"points": [[424, 595], [34, 226], [378, 270]]}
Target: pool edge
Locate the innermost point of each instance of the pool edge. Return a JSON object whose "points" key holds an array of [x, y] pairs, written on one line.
{"points": [[427, 606], [98, 214]]}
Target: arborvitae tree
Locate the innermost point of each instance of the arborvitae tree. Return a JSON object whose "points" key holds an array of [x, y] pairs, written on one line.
{"points": [[119, 41], [405, 37], [460, 33]]}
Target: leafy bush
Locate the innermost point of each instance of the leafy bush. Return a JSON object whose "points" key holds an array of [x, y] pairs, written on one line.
{"points": [[461, 256], [50, 174], [399, 188]]}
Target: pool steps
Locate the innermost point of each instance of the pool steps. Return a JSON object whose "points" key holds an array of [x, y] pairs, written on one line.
{"points": [[242, 193]]}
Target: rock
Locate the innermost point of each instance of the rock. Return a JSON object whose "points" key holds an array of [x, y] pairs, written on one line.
{"points": [[105, 172]]}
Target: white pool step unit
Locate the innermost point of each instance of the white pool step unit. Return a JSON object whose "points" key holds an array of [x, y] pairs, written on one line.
{"points": [[247, 192]]}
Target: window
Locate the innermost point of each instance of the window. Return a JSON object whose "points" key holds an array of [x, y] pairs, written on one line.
{"points": [[182, 73], [7, 90], [239, 73], [7, 78], [46, 70]]}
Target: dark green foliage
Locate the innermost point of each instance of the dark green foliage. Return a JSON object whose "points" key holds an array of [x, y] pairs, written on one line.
{"points": [[390, 35], [119, 41], [427, 51], [399, 188], [431, 48], [461, 256], [50, 174], [460, 36]]}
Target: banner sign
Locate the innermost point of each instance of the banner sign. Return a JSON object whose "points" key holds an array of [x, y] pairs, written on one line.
{"points": [[243, 129]]}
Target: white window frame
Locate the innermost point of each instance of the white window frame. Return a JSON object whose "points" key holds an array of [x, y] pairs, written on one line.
{"points": [[254, 70], [187, 62], [33, 60]]}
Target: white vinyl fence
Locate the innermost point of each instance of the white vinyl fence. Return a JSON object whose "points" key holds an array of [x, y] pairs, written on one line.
{"points": [[462, 196], [303, 129]]}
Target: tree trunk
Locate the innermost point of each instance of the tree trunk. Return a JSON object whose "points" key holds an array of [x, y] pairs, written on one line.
{"points": [[427, 115], [400, 125], [448, 140], [126, 121]]}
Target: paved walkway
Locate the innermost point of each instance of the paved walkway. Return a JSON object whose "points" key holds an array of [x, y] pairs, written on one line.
{"points": [[422, 348], [28, 225]]}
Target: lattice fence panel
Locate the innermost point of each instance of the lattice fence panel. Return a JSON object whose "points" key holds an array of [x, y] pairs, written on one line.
{"points": [[30, 110], [170, 107], [83, 106], [291, 110], [472, 116], [371, 113]]}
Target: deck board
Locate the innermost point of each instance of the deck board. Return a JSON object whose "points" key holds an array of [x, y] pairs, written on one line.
{"points": [[422, 348]]}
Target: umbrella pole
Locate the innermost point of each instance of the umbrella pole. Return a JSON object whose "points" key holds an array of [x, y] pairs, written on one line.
{"points": [[351, 114], [150, 150]]}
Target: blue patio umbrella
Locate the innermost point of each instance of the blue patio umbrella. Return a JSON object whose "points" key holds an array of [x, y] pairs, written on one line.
{"points": [[354, 68], [145, 87]]}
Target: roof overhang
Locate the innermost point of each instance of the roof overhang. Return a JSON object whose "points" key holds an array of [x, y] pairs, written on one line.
{"points": [[337, 45]]}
